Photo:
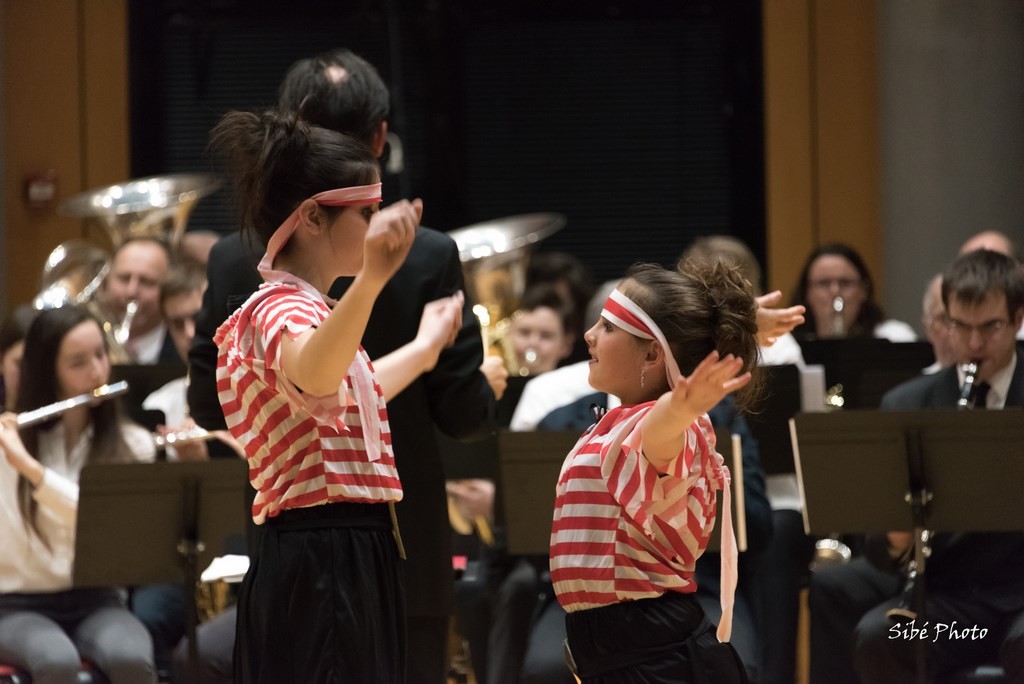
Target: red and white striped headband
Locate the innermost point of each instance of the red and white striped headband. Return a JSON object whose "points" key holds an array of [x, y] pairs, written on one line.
{"points": [[623, 312], [357, 195]]}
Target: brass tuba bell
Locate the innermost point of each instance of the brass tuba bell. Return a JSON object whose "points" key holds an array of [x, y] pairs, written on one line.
{"points": [[494, 256], [156, 207]]}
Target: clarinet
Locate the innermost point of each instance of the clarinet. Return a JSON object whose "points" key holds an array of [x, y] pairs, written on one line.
{"points": [[838, 326], [910, 599], [968, 391]]}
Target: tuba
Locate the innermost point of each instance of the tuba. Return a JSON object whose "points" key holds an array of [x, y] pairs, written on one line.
{"points": [[156, 207], [494, 257]]}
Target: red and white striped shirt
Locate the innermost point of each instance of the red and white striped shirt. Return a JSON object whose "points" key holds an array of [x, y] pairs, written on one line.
{"points": [[623, 531], [302, 450]]}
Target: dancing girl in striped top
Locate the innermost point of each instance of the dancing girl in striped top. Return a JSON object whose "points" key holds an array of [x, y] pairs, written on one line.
{"points": [[635, 500], [322, 601]]}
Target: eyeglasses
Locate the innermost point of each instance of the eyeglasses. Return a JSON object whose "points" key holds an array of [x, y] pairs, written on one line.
{"points": [[985, 330], [842, 284]]}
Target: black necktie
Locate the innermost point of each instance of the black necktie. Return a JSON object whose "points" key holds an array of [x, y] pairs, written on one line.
{"points": [[981, 394]]}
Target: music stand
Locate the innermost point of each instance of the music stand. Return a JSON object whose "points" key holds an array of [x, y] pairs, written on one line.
{"points": [[769, 424], [152, 523], [867, 368], [900, 470], [143, 380], [530, 464]]}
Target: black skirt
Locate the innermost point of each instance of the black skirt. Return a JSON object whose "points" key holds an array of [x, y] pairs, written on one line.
{"points": [[664, 640], [322, 601]]}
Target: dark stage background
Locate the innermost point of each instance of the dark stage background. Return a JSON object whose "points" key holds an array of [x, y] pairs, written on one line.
{"points": [[642, 123]]}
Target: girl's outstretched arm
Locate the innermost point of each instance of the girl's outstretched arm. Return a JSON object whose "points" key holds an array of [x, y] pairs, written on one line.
{"points": [[663, 431]]}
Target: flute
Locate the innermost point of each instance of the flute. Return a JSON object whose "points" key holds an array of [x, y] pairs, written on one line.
{"points": [[182, 437], [45, 413]]}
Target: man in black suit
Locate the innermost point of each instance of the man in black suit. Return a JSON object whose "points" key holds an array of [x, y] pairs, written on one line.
{"points": [[973, 580], [341, 91]]}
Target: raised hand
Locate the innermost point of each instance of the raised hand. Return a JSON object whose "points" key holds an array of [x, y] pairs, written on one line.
{"points": [[664, 428], [494, 370], [389, 238], [14, 450], [773, 322], [440, 324], [709, 382]]}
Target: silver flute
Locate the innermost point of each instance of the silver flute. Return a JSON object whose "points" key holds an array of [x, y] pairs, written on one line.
{"points": [[45, 413]]}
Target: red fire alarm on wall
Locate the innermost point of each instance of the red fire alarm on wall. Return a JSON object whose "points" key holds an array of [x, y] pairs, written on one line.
{"points": [[41, 190]]}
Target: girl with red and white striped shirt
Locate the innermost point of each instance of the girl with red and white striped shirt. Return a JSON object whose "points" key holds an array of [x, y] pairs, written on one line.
{"points": [[635, 500], [322, 600]]}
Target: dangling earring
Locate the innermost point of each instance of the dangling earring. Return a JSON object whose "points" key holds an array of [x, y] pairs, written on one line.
{"points": [[641, 377]]}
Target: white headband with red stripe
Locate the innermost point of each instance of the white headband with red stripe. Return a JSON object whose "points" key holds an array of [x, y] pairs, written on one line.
{"points": [[339, 197], [623, 312]]}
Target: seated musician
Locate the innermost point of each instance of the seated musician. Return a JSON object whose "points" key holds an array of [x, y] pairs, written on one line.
{"points": [[46, 627], [836, 287], [136, 271], [181, 297], [974, 587]]}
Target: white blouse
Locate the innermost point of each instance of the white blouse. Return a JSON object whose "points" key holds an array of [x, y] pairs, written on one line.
{"points": [[26, 564]]}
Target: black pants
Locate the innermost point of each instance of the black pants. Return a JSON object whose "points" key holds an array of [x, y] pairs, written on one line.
{"points": [[322, 601], [650, 641]]}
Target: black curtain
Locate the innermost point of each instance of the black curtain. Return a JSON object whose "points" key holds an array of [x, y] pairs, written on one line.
{"points": [[641, 123]]}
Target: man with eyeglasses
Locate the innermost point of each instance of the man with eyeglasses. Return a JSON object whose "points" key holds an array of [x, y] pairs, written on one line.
{"points": [[974, 580]]}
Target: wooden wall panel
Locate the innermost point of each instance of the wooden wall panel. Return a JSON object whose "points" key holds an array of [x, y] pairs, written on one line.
{"points": [[62, 113], [105, 130], [849, 171], [822, 168], [790, 195]]}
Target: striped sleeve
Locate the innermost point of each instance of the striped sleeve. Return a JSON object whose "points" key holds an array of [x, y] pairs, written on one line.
{"points": [[293, 312]]}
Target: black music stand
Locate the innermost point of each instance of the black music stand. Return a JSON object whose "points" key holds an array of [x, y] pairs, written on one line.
{"points": [[867, 368], [530, 464], [876, 471], [143, 380], [769, 423], [152, 523]]}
